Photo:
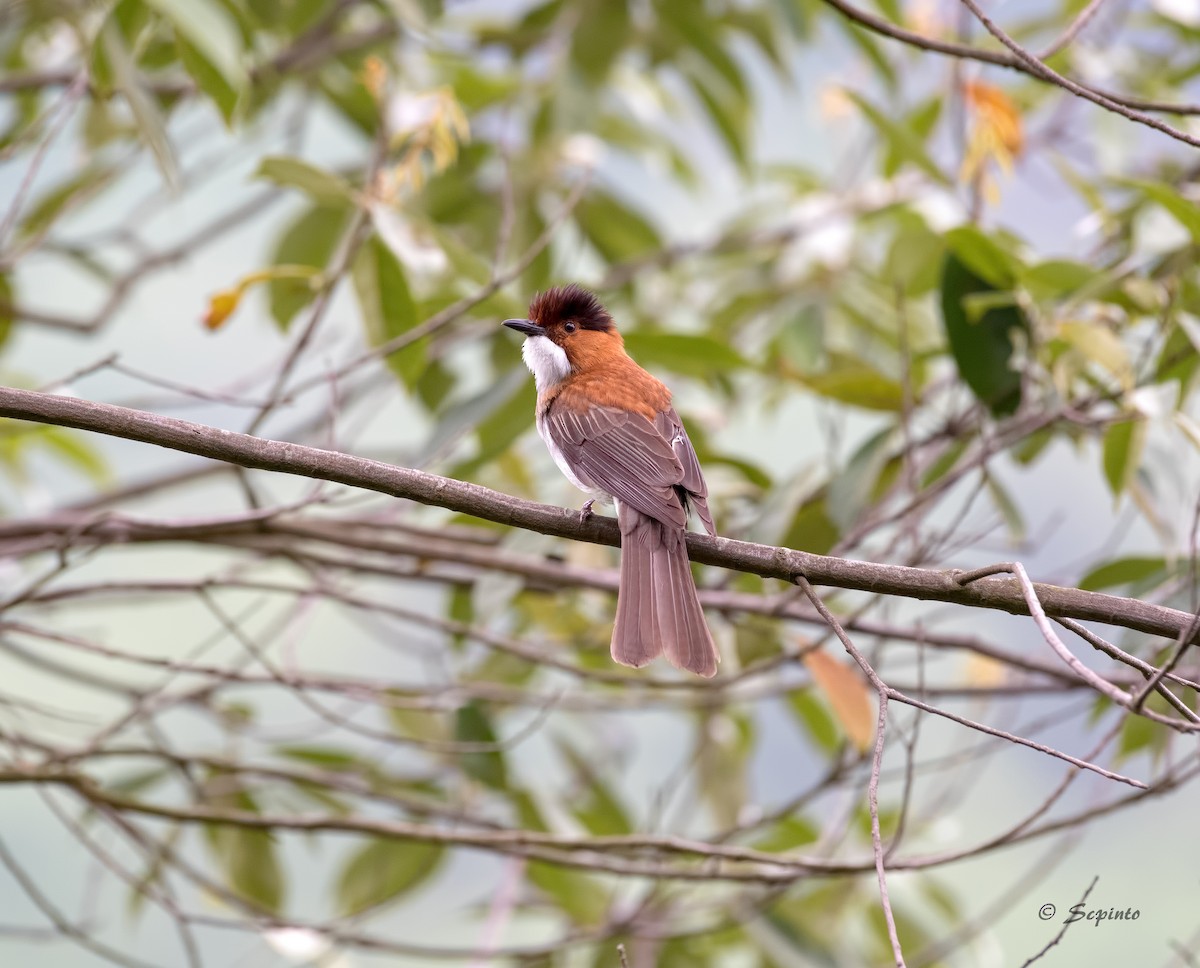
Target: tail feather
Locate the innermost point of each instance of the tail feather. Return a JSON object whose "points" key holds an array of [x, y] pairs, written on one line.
{"points": [[658, 609]]}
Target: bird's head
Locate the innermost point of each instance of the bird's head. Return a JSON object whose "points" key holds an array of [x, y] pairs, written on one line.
{"points": [[567, 331]]}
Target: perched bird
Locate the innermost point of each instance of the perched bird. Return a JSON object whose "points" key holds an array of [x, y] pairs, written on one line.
{"points": [[612, 431]]}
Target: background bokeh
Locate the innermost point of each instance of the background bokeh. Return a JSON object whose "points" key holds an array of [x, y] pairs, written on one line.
{"points": [[772, 201]]}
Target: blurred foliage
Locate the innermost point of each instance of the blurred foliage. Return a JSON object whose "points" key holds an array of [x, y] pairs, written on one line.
{"points": [[876, 287]]}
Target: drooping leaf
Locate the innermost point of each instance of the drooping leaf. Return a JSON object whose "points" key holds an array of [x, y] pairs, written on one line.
{"points": [[847, 694], [7, 301], [815, 718], [309, 240], [599, 38], [614, 228], [207, 26], [983, 349], [387, 306], [1123, 443], [67, 195], [472, 725], [903, 143], [576, 894], [213, 82], [384, 870], [1181, 209]]}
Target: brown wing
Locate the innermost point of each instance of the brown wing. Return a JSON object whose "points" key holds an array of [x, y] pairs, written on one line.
{"points": [[671, 427], [623, 454]]}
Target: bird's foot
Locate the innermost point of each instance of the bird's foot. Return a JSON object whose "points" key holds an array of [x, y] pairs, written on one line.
{"points": [[585, 512]]}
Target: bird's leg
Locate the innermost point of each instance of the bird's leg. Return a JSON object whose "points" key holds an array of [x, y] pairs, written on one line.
{"points": [[585, 512]]}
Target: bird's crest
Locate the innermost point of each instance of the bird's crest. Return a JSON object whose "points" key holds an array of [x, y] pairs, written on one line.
{"points": [[561, 303]]}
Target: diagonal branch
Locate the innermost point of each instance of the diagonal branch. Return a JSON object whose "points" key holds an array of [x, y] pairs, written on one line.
{"points": [[1004, 594]]}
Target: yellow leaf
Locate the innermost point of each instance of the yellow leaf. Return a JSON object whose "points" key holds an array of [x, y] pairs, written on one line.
{"points": [[220, 307], [1100, 345], [374, 75], [985, 672], [848, 696], [997, 135]]}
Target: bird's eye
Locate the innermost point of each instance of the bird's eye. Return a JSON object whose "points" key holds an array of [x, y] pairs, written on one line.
{"points": [[569, 328]]}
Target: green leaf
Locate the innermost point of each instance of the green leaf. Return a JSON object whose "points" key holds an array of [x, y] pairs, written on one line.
{"points": [[920, 122], [308, 241], [70, 193], [387, 306], [856, 383], [700, 35], [324, 757], [211, 30], [472, 725], [575, 893], [615, 229], [8, 299], [852, 489], [816, 719], [248, 859], [1185, 212], [787, 834], [1123, 571], [1057, 278], [596, 806], [1123, 444], [983, 257], [983, 350], [321, 186], [599, 37], [684, 353], [210, 80], [384, 870], [1007, 507], [902, 142], [945, 462], [150, 125], [731, 117], [812, 529], [76, 450]]}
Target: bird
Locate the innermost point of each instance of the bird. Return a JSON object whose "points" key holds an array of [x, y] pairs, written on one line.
{"points": [[611, 429]]}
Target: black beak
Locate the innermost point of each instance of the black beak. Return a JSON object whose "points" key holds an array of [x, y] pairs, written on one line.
{"points": [[526, 326]]}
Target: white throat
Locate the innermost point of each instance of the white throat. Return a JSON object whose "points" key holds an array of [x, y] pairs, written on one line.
{"points": [[546, 361]]}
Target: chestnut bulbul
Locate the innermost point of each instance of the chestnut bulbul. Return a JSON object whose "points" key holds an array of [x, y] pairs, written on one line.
{"points": [[611, 429]]}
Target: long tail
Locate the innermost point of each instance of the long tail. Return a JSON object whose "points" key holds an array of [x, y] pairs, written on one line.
{"points": [[657, 607]]}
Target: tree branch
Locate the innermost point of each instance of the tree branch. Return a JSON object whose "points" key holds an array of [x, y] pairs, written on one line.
{"points": [[1004, 594]]}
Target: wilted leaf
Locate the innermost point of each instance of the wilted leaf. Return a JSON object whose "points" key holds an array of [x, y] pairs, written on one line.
{"points": [[384, 870], [848, 696]]}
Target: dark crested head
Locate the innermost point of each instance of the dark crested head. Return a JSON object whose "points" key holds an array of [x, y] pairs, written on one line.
{"points": [[571, 303]]}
